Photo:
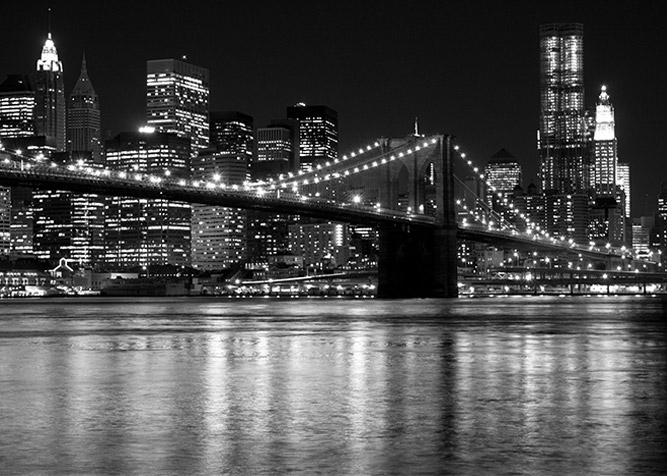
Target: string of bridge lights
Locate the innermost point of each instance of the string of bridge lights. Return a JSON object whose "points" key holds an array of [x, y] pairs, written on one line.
{"points": [[312, 175], [303, 177], [531, 225]]}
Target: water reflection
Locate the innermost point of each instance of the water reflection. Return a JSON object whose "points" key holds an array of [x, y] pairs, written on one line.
{"points": [[535, 386]]}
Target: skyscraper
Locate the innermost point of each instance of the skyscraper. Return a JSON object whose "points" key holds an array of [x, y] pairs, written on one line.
{"points": [[83, 117], [562, 136], [605, 160], [503, 173], [318, 133], [278, 143], [219, 233], [143, 232], [623, 183], [17, 107], [50, 96], [177, 99]]}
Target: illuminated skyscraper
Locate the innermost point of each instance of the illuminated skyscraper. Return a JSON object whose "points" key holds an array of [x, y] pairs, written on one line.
{"points": [[604, 148], [318, 133], [143, 232], [503, 173], [562, 136], [278, 143], [623, 183], [17, 107], [219, 233], [177, 99], [50, 97]]}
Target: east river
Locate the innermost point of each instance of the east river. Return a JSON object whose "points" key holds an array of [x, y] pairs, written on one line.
{"points": [[194, 386]]}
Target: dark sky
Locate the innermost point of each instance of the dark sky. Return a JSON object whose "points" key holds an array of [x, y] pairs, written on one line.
{"points": [[467, 68]]}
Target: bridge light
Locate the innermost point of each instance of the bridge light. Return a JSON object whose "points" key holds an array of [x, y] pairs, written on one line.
{"points": [[361, 151], [456, 147], [352, 154], [463, 156], [18, 151], [216, 177], [356, 199]]}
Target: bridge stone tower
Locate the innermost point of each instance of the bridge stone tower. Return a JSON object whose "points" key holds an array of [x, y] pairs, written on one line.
{"points": [[417, 261]]}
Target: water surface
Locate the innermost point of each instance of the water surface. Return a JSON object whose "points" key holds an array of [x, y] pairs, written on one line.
{"points": [[331, 386]]}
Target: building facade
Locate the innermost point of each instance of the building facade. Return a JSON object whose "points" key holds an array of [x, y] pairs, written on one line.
{"points": [[177, 100], [219, 233], [144, 232], [318, 133]]}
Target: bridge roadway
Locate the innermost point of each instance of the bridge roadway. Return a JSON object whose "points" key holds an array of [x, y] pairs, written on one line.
{"points": [[142, 185]]}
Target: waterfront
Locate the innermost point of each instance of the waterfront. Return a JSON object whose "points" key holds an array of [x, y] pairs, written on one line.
{"points": [[540, 385]]}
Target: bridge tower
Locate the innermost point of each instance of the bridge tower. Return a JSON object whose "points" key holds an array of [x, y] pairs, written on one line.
{"points": [[416, 261]]}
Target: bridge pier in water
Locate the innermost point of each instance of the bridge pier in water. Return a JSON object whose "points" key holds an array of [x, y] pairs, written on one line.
{"points": [[416, 261]]}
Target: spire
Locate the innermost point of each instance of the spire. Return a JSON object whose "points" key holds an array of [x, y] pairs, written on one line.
{"points": [[604, 97], [49, 60], [83, 85], [416, 132]]}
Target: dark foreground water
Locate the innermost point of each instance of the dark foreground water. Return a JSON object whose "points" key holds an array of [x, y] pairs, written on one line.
{"points": [[343, 387]]}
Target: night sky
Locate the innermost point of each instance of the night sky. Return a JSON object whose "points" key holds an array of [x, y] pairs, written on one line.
{"points": [[467, 68]]}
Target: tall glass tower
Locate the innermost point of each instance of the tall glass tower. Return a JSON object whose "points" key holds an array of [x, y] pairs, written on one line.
{"points": [[564, 162], [177, 99]]}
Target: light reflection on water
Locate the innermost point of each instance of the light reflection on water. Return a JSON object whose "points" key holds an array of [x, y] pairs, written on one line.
{"points": [[316, 386]]}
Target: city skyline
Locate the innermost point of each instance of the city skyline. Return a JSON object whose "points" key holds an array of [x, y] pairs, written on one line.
{"points": [[379, 68]]}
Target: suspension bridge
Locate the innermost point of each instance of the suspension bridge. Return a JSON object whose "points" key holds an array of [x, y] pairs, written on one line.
{"points": [[405, 187]]}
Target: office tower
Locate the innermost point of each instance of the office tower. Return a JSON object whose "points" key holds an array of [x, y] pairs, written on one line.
{"points": [[50, 97], [177, 99], [503, 174], [83, 117], [142, 232], [318, 133], [17, 107], [278, 147], [605, 159], [562, 143], [219, 233], [623, 182]]}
